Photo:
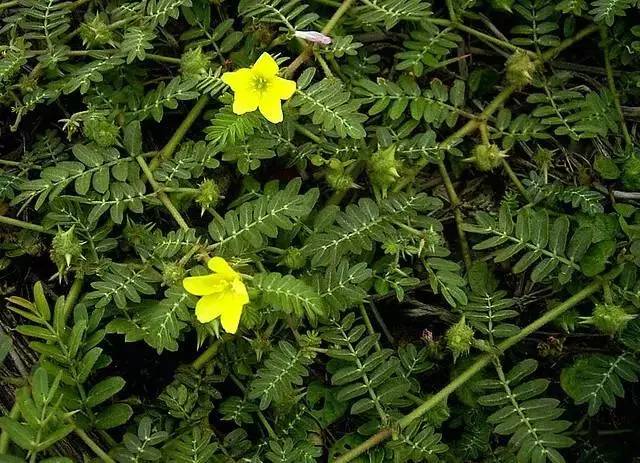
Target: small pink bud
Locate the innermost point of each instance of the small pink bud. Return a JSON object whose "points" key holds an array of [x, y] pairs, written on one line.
{"points": [[313, 36]]}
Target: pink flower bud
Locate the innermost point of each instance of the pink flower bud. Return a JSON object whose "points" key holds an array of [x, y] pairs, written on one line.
{"points": [[314, 36]]}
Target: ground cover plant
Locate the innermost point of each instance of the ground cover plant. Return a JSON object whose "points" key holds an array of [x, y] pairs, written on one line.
{"points": [[294, 231]]}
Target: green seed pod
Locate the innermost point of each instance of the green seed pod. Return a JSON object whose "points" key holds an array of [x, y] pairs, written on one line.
{"points": [[172, 273], [101, 131], [519, 69], [194, 62], [65, 248], [487, 157], [383, 169], [293, 259], [459, 338], [96, 32], [608, 318], [337, 178], [208, 195]]}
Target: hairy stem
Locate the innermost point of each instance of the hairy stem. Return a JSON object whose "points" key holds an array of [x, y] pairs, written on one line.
{"points": [[162, 196], [181, 131], [492, 107], [516, 181], [478, 34], [612, 88], [209, 353], [21, 224], [481, 362], [93, 446], [5, 440], [457, 214]]}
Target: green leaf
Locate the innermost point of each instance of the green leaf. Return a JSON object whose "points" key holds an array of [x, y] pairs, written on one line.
{"points": [[113, 416], [40, 301], [19, 433], [104, 390]]}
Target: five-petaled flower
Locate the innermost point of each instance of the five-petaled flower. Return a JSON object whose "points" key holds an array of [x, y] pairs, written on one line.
{"points": [[223, 294], [259, 87]]}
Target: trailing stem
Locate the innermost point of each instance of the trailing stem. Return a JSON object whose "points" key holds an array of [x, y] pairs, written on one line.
{"points": [[480, 363], [612, 88]]}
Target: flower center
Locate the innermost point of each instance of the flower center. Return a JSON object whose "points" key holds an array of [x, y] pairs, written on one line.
{"points": [[260, 83]]}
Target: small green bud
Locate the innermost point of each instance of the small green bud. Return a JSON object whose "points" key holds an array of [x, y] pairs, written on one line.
{"points": [[101, 131], [520, 69], [293, 259], [96, 31], [172, 273], [383, 169], [310, 339], [194, 62], [337, 178], [487, 157], [608, 318], [208, 195], [459, 338], [431, 239], [65, 248], [391, 247]]}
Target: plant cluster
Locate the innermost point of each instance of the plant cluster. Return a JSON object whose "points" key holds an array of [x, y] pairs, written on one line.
{"points": [[420, 221]]}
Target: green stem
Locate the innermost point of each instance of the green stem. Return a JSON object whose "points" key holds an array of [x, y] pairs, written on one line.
{"points": [[307, 133], [497, 103], [367, 324], [481, 362], [162, 59], [332, 3], [208, 354], [4, 437], [612, 87], [323, 64], [551, 54], [451, 10], [261, 416], [19, 223], [457, 214], [516, 181], [162, 196], [180, 132], [455, 137], [308, 51], [479, 34], [93, 446], [380, 320], [7, 5]]}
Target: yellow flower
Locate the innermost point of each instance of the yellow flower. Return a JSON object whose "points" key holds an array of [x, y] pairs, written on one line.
{"points": [[260, 87], [223, 294]]}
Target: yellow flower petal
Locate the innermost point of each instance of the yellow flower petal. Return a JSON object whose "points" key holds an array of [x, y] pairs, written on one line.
{"points": [[239, 80], [240, 290], [271, 109], [204, 285], [230, 318], [265, 66], [220, 266], [283, 88], [245, 102], [209, 308]]}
